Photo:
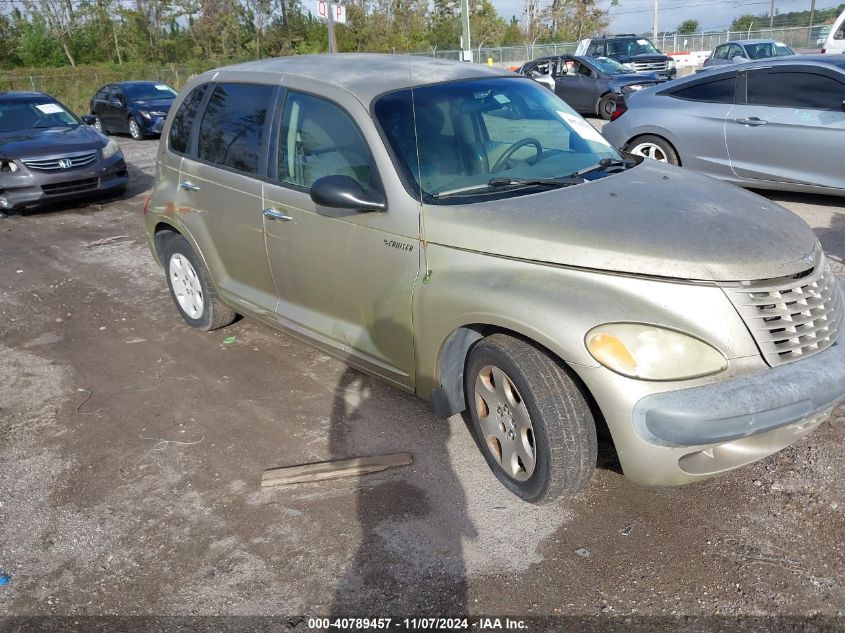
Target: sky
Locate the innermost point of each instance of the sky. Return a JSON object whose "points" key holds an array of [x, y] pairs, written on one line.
{"points": [[637, 16]]}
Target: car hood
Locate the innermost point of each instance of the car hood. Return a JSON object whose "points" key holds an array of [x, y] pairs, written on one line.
{"points": [[653, 219], [644, 57], [47, 141], [154, 104], [642, 78]]}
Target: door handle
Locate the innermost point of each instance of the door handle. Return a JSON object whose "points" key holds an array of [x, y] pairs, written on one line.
{"points": [[187, 185], [275, 214], [752, 121]]}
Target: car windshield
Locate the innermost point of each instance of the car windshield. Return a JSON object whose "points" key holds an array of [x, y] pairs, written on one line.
{"points": [[141, 92], [632, 46], [610, 66], [473, 131], [38, 112], [767, 49]]}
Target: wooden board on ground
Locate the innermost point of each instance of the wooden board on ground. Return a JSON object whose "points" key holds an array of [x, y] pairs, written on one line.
{"points": [[321, 471]]}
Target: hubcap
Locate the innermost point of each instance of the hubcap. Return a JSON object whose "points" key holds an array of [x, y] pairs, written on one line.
{"points": [[186, 286], [505, 423], [134, 129], [98, 125], [650, 150]]}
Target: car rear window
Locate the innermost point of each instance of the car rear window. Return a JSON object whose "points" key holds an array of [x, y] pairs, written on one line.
{"points": [[232, 126], [717, 91], [183, 122], [796, 89]]}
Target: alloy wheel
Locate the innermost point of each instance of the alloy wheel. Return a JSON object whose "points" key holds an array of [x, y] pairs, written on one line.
{"points": [[650, 150]]}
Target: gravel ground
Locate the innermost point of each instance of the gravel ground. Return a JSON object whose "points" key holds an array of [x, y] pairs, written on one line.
{"points": [[131, 449]]}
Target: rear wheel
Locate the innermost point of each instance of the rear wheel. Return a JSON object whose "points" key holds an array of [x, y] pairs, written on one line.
{"points": [[530, 419], [98, 125], [135, 129], [654, 147], [191, 288], [607, 106]]}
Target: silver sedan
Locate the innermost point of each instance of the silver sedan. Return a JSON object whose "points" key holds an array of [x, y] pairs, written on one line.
{"points": [[771, 124]]}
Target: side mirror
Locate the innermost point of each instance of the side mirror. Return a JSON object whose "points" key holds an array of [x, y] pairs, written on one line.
{"points": [[739, 59], [88, 119], [117, 103], [343, 192], [843, 105]]}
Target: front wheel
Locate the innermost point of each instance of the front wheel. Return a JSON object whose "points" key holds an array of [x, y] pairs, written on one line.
{"points": [[135, 130], [98, 125], [191, 288], [530, 419], [607, 106], [654, 147]]}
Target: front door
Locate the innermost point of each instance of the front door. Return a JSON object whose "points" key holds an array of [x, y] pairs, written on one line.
{"points": [[790, 128], [345, 279], [577, 86]]}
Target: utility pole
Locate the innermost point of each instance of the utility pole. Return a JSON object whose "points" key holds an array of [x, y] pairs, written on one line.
{"points": [[656, 10], [772, 15], [812, 12], [466, 47], [330, 21]]}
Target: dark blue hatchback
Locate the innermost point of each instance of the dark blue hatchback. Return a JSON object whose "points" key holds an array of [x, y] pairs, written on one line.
{"points": [[135, 107]]}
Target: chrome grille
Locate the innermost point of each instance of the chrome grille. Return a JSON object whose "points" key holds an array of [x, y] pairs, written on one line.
{"points": [[61, 163], [649, 66], [791, 317]]}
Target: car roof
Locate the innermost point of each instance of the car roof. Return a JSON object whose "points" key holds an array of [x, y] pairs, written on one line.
{"points": [[813, 61], [363, 75], [745, 42], [134, 82], [23, 96]]}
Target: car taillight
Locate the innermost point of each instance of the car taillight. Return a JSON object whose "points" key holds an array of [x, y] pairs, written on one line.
{"points": [[824, 51], [147, 204]]}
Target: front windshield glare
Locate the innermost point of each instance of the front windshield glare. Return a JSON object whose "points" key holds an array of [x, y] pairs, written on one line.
{"points": [[469, 132], [640, 46], [18, 114], [140, 92], [610, 66]]}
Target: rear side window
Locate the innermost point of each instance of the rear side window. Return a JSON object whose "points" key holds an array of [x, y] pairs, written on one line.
{"points": [[718, 91], [180, 129], [232, 126], [795, 90]]}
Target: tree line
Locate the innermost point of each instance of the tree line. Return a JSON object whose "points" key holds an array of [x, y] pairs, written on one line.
{"points": [[43, 33]]}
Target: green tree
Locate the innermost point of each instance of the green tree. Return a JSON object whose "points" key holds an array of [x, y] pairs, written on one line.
{"points": [[744, 22], [688, 26]]}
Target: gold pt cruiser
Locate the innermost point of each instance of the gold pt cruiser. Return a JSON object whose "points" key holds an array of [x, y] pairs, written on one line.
{"points": [[462, 233]]}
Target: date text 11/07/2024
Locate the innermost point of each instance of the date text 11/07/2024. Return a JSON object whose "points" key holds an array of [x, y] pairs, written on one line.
{"points": [[417, 624]]}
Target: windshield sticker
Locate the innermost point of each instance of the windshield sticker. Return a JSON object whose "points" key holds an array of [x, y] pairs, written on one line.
{"points": [[642, 42], [162, 87], [501, 98], [582, 128], [50, 108]]}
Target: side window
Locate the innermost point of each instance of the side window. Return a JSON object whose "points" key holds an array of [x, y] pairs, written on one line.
{"points": [[117, 93], [721, 52], [840, 34], [718, 91], [319, 139], [180, 129], [736, 51], [231, 129], [591, 50], [101, 93], [583, 69], [795, 90]]}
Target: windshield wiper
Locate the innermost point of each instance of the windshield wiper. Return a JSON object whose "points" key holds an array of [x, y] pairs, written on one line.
{"points": [[603, 165], [504, 181]]}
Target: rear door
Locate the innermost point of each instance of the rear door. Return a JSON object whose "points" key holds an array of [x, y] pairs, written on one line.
{"points": [[222, 180], [788, 126]]}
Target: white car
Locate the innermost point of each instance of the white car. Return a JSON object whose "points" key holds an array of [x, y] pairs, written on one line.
{"points": [[835, 42]]}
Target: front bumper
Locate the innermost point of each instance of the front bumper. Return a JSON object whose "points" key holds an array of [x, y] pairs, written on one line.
{"points": [[29, 189], [153, 125]]}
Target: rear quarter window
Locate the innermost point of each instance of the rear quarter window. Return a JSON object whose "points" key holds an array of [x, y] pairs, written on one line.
{"points": [[180, 129]]}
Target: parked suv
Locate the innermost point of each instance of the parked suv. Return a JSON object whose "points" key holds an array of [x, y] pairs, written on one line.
{"points": [[506, 263], [635, 51]]}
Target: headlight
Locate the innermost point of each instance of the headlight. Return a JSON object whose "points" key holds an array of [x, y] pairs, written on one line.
{"points": [[671, 64], [648, 352], [157, 113], [633, 88], [144, 114], [111, 148], [8, 165]]}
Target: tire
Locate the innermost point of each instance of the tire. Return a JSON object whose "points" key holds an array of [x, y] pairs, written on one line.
{"points": [[98, 125], [191, 288], [607, 106], [560, 428], [135, 129], [654, 147]]}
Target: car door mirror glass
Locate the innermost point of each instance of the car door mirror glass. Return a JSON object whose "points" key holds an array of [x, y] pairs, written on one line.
{"points": [[344, 192], [88, 119]]}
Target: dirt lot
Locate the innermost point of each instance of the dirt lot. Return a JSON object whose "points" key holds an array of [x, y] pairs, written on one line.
{"points": [[131, 449]]}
